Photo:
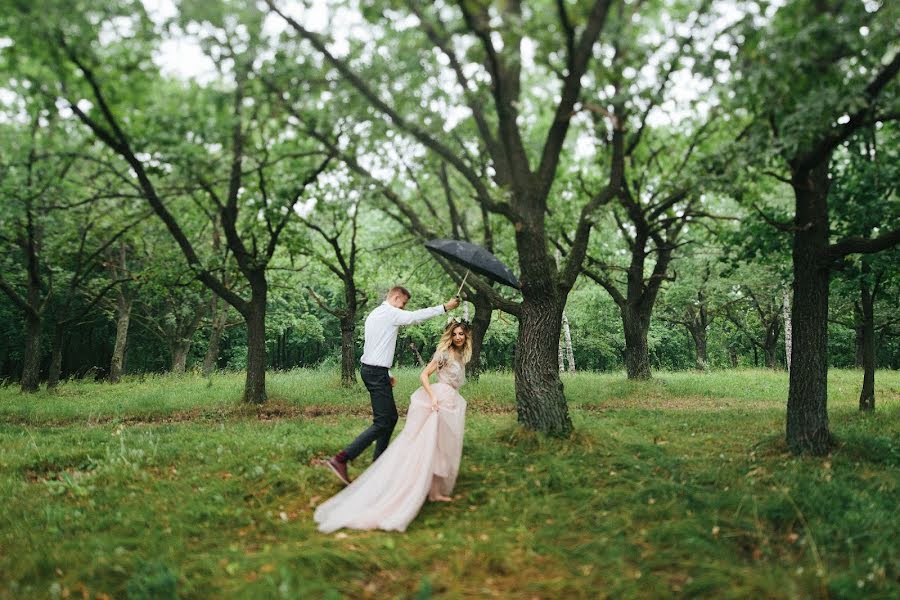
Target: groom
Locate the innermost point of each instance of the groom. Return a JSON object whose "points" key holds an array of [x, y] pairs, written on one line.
{"points": [[382, 326]]}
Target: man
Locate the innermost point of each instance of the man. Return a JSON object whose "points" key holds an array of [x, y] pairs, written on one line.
{"points": [[382, 326]]}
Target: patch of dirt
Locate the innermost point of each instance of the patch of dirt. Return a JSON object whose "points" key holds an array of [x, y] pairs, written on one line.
{"points": [[274, 410], [670, 403]]}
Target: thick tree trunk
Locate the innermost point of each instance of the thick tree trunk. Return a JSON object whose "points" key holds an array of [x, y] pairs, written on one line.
{"points": [[255, 386], [637, 353], [184, 338], [867, 302], [480, 324], [31, 368], [733, 357], [540, 403], [807, 409], [59, 338], [698, 334], [123, 318], [180, 351], [348, 350]]}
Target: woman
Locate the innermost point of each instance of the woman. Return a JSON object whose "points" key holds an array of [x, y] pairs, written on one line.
{"points": [[423, 460]]}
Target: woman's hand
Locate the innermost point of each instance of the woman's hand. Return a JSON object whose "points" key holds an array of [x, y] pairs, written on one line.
{"points": [[435, 407]]}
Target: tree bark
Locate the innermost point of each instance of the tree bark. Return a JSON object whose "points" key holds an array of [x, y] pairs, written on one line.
{"points": [[415, 350], [567, 335], [698, 334], [348, 349], [636, 324], [867, 304], [540, 405], [788, 328], [59, 338], [31, 368], [562, 356], [123, 318], [807, 409], [770, 344], [480, 324], [184, 336], [180, 351], [217, 328], [255, 385]]}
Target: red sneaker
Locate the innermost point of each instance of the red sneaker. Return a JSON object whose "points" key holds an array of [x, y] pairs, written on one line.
{"points": [[338, 468]]}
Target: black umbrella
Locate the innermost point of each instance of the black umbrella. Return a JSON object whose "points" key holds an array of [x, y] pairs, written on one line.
{"points": [[475, 258]]}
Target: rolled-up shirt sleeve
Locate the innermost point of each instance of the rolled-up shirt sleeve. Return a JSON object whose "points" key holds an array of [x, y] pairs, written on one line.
{"points": [[412, 317]]}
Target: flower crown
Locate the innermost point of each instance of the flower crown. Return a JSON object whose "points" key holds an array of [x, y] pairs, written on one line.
{"points": [[454, 321]]}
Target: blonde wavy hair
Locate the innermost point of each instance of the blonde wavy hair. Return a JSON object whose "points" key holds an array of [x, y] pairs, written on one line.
{"points": [[445, 344]]}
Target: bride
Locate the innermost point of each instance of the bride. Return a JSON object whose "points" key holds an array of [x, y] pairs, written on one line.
{"points": [[423, 460]]}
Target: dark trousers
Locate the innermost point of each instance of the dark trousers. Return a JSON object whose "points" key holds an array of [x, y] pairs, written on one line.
{"points": [[384, 412]]}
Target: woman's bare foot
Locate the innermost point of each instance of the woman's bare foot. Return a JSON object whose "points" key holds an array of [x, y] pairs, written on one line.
{"points": [[439, 498]]}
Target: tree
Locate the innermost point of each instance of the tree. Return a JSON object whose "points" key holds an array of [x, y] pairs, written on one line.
{"points": [[758, 314], [202, 138], [30, 184], [335, 220], [864, 200], [810, 78], [515, 189], [700, 294]]}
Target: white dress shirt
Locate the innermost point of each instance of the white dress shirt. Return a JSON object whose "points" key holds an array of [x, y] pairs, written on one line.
{"points": [[382, 326]]}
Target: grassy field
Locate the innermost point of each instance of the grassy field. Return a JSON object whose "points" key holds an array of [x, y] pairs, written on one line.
{"points": [[680, 487]]}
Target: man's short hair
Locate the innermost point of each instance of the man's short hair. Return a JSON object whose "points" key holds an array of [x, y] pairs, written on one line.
{"points": [[399, 289]]}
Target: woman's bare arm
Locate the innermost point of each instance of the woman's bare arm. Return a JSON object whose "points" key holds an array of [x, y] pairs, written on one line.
{"points": [[429, 369]]}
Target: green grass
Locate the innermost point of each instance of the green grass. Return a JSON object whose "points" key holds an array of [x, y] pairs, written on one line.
{"points": [[677, 487]]}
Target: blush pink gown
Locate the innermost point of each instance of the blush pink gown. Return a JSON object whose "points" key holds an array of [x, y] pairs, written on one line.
{"points": [[421, 462]]}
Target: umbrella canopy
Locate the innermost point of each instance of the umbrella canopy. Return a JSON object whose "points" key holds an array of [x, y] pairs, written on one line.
{"points": [[475, 258]]}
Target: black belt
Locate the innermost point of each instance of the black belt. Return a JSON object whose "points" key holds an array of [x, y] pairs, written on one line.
{"points": [[373, 366]]}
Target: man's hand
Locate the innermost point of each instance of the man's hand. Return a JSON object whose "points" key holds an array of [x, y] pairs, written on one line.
{"points": [[451, 304], [393, 381]]}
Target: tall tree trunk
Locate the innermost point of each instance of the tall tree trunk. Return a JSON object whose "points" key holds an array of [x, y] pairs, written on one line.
{"points": [[788, 330], [348, 349], [770, 344], [562, 356], [567, 336], [540, 403], [255, 386], [415, 350], [31, 368], [59, 338], [637, 353], [867, 302], [123, 318], [180, 351], [217, 328], [733, 357], [480, 324], [807, 409], [698, 334]]}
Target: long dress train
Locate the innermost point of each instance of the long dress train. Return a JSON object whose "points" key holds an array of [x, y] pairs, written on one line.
{"points": [[423, 461]]}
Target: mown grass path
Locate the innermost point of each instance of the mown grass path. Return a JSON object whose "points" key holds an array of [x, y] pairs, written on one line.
{"points": [[676, 487]]}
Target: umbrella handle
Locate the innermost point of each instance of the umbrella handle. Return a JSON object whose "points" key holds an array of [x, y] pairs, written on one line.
{"points": [[462, 284]]}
